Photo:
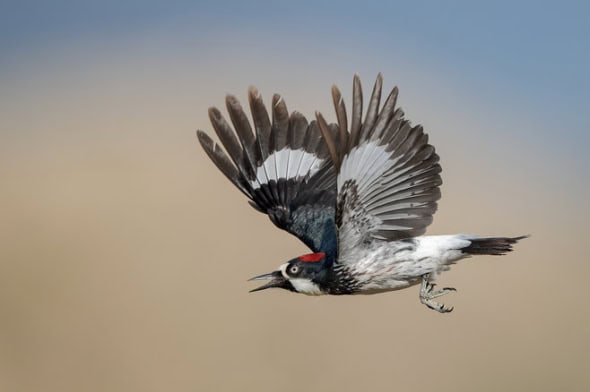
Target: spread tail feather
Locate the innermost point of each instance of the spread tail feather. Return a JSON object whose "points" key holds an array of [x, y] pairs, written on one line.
{"points": [[491, 246]]}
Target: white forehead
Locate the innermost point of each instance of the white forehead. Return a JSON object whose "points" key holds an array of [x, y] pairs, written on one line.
{"points": [[283, 269]]}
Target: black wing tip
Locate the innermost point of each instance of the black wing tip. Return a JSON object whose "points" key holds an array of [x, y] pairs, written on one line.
{"points": [[379, 84], [297, 114], [230, 97], [204, 138], [394, 91], [277, 99], [379, 79], [253, 92], [214, 113], [233, 104], [336, 92], [356, 78]]}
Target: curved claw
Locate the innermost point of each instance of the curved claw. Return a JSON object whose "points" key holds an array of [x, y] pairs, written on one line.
{"points": [[427, 295]]}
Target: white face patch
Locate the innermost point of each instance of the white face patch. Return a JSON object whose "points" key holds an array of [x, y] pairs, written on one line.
{"points": [[303, 286], [286, 164]]}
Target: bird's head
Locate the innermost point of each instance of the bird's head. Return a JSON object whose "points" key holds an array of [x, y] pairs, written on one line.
{"points": [[303, 274]]}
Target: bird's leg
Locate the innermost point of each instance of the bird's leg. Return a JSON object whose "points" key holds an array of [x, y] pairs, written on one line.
{"points": [[427, 295]]}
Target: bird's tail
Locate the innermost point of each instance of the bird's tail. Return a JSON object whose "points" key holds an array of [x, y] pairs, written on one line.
{"points": [[491, 246]]}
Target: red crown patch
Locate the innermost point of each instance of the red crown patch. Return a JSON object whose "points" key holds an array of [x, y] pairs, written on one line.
{"points": [[312, 257]]}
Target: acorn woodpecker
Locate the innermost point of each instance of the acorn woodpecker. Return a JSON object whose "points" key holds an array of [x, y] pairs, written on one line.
{"points": [[359, 195]]}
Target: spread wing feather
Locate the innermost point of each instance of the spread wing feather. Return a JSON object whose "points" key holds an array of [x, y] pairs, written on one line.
{"points": [[282, 166], [388, 175]]}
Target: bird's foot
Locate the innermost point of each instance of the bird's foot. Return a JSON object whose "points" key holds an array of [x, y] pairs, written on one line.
{"points": [[427, 295]]}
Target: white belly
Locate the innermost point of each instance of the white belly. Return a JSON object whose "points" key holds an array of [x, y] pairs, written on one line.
{"points": [[397, 265]]}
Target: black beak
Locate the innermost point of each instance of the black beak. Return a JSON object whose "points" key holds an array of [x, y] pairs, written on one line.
{"points": [[277, 280]]}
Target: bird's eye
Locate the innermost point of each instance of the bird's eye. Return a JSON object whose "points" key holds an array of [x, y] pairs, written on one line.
{"points": [[294, 270]]}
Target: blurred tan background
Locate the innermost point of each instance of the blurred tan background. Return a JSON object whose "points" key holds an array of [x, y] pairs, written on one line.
{"points": [[124, 253]]}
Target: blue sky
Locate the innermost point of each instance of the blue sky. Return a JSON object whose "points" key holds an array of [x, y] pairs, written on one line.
{"points": [[538, 50], [531, 56]]}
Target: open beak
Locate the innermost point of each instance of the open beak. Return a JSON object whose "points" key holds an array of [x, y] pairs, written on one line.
{"points": [[276, 280]]}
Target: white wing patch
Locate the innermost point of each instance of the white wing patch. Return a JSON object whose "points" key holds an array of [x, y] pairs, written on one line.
{"points": [[365, 164], [286, 164]]}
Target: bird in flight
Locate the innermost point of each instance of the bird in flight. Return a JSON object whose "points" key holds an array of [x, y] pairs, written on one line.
{"points": [[360, 195]]}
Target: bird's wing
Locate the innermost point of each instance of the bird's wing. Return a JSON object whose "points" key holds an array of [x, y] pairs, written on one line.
{"points": [[282, 165], [388, 175]]}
